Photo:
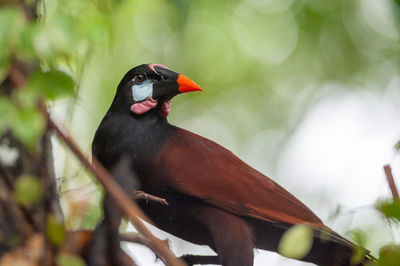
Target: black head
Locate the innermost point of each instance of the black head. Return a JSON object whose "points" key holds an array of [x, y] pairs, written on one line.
{"points": [[149, 86]]}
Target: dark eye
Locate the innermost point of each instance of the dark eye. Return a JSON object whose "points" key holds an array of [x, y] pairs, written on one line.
{"points": [[139, 79], [164, 78]]}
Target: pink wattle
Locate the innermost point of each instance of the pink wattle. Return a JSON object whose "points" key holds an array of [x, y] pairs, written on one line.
{"points": [[143, 107], [165, 108]]}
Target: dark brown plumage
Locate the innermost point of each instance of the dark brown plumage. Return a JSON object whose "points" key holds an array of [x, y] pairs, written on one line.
{"points": [[214, 198]]}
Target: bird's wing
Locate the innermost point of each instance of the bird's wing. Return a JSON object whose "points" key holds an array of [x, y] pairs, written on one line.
{"points": [[201, 168]]}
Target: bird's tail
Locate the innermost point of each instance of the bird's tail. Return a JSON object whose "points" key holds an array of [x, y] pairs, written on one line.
{"points": [[328, 248], [331, 249]]}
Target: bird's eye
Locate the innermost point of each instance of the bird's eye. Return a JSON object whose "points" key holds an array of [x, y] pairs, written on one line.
{"points": [[164, 77], [139, 79]]}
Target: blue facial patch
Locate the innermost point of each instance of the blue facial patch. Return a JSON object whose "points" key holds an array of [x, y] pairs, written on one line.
{"points": [[142, 91]]}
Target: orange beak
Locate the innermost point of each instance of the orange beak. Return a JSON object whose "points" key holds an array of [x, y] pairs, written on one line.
{"points": [[186, 84]]}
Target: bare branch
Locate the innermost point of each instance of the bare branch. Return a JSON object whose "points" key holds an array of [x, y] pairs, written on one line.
{"points": [[390, 180], [135, 238]]}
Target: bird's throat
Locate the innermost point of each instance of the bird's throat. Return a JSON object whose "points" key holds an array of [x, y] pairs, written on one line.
{"points": [[150, 103]]}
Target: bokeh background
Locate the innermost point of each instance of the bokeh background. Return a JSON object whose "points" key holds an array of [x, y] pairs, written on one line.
{"points": [[305, 91]]}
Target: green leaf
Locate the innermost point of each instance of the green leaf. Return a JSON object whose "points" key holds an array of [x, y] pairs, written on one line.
{"points": [[358, 255], [389, 255], [390, 208], [28, 126], [25, 98], [26, 39], [10, 21], [358, 236], [95, 28], [296, 242], [397, 146], [55, 231], [6, 111], [52, 84], [28, 190], [57, 37], [69, 260]]}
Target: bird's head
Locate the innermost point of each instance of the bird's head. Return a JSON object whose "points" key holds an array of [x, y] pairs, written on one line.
{"points": [[151, 86]]}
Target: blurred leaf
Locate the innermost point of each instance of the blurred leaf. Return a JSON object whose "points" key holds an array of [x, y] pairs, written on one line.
{"points": [[6, 110], [26, 40], [358, 255], [28, 127], [52, 84], [55, 231], [57, 37], [397, 146], [95, 28], [69, 260], [10, 19], [92, 217], [390, 208], [389, 255], [28, 190], [296, 242], [358, 236], [25, 98]]}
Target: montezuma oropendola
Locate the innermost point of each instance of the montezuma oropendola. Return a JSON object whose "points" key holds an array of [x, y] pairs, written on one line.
{"points": [[214, 198]]}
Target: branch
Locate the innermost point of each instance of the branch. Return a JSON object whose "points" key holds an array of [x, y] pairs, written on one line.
{"points": [[390, 180], [134, 238], [131, 210]]}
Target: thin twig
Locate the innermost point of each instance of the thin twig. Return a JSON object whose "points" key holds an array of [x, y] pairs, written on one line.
{"points": [[390, 180], [139, 195], [140, 239], [131, 210]]}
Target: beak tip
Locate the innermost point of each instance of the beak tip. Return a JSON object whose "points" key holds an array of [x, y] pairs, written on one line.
{"points": [[186, 85]]}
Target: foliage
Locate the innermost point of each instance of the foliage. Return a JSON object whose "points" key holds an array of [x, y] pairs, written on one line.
{"points": [[358, 237], [296, 242], [55, 231], [389, 254], [52, 84], [28, 190], [390, 209], [397, 146], [28, 126], [69, 260]]}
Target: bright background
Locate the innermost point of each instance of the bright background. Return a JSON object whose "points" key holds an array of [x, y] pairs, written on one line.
{"points": [[305, 91]]}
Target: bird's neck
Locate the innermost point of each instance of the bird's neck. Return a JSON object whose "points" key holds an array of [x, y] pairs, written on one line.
{"points": [[148, 119], [140, 136]]}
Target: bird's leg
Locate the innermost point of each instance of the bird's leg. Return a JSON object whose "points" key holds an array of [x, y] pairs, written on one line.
{"points": [[232, 237], [141, 195]]}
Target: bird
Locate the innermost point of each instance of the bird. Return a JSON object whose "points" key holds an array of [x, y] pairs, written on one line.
{"points": [[214, 198]]}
